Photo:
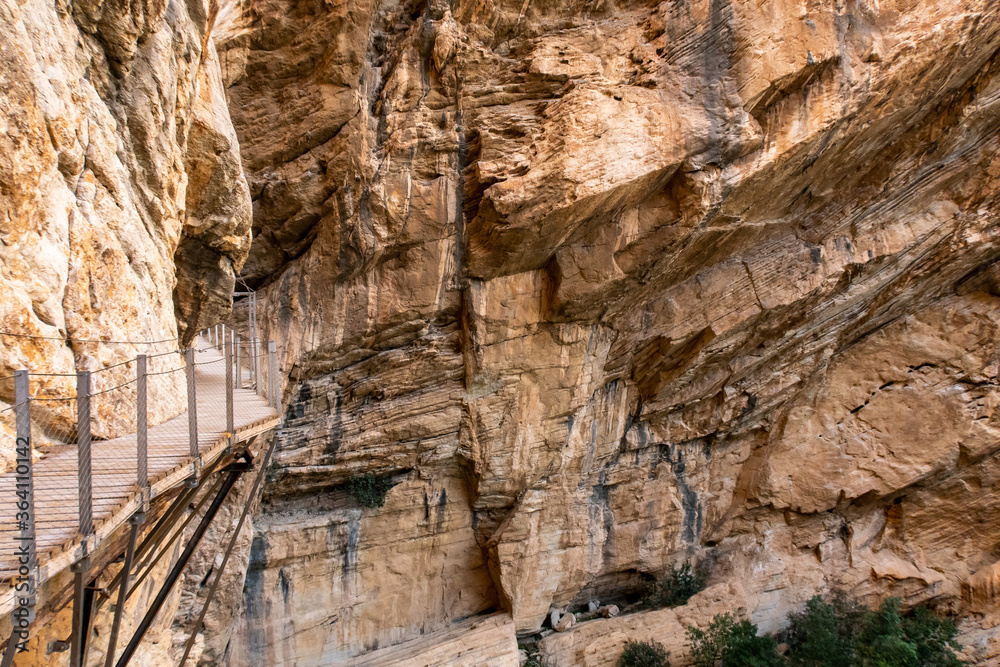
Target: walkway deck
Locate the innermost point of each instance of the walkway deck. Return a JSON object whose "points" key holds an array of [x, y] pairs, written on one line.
{"points": [[116, 496]]}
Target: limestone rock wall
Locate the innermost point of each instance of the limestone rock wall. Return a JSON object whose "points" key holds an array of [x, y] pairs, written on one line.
{"points": [[125, 212], [599, 286], [605, 286]]}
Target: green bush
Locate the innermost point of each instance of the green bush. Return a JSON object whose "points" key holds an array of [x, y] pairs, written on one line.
{"points": [[676, 587], [369, 490], [824, 634], [643, 654], [934, 638], [841, 633], [731, 643]]}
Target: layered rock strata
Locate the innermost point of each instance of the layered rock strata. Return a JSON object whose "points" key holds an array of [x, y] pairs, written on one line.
{"points": [[599, 287], [603, 287]]}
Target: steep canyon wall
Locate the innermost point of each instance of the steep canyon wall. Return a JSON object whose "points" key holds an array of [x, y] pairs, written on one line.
{"points": [[599, 286], [605, 286]]}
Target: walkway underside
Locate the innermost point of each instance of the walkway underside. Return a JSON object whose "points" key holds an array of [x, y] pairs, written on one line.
{"points": [[115, 499]]}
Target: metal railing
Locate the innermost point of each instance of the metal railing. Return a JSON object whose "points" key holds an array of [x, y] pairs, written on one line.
{"points": [[88, 441]]}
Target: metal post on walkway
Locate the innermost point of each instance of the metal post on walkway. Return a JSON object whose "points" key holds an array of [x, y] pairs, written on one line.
{"points": [[141, 423], [83, 453], [272, 373], [86, 500], [239, 369], [224, 338], [250, 326], [191, 402], [256, 365], [230, 422], [26, 581]]}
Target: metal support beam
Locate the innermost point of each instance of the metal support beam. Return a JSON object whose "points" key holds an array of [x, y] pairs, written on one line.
{"points": [[229, 550], [81, 609], [230, 479], [239, 369], [158, 548], [136, 522]]}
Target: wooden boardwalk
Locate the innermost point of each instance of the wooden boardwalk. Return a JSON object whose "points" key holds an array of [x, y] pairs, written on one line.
{"points": [[116, 495]]}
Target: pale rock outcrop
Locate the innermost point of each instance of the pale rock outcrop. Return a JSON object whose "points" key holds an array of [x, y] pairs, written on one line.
{"points": [[487, 641], [98, 103]]}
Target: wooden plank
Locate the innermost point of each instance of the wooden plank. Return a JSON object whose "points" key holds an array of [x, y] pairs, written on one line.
{"points": [[116, 494]]}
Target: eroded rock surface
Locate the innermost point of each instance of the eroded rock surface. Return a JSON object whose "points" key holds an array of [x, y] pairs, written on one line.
{"points": [[606, 286], [599, 287], [124, 211]]}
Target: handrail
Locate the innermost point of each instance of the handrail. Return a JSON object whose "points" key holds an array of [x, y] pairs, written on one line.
{"points": [[101, 435]]}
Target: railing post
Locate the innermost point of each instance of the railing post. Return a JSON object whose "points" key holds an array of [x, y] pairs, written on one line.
{"points": [[192, 402], [141, 424], [224, 338], [256, 365], [83, 453], [86, 500], [26, 581], [239, 369], [230, 427], [250, 318], [272, 373]]}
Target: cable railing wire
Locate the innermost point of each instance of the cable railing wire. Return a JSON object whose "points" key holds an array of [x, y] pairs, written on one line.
{"points": [[98, 448], [90, 340]]}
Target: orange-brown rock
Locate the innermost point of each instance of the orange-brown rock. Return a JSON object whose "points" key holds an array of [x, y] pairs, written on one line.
{"points": [[634, 283], [599, 287], [124, 212]]}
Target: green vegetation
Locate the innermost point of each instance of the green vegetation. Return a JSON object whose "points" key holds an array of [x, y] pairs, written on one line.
{"points": [[824, 634], [882, 637], [675, 587], [643, 654], [731, 643], [369, 490], [835, 633]]}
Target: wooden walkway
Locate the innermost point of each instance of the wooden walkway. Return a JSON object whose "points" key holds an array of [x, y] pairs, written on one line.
{"points": [[116, 496]]}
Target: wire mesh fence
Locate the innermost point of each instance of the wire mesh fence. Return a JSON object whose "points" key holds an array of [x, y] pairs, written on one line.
{"points": [[95, 440]]}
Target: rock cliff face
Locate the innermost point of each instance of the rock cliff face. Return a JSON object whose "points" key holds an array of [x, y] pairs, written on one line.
{"points": [[604, 286], [124, 212], [599, 286]]}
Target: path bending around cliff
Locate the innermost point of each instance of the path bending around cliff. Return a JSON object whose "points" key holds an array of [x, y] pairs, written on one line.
{"points": [[116, 494]]}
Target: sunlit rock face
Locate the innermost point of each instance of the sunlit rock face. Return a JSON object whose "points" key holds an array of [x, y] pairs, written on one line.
{"points": [[597, 286], [604, 286], [124, 211]]}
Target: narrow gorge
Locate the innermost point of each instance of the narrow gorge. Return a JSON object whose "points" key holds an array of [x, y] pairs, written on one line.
{"points": [[593, 287]]}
